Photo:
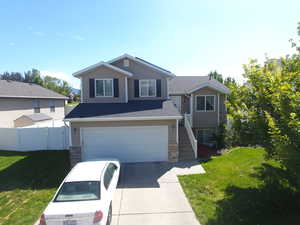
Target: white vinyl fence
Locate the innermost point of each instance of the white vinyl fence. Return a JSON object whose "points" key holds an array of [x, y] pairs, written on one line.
{"points": [[32, 139]]}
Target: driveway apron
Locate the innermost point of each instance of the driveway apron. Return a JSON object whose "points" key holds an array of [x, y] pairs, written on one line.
{"points": [[150, 193]]}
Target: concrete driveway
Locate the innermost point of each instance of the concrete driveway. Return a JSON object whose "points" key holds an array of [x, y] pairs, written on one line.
{"points": [[150, 194]]}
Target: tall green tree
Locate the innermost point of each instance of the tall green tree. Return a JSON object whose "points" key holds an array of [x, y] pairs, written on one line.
{"points": [[216, 75], [57, 85], [33, 76], [15, 76], [266, 110]]}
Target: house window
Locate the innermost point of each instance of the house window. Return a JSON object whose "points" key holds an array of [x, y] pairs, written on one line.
{"points": [[205, 103], [36, 105], [104, 87], [126, 63], [147, 88], [205, 136], [52, 105]]}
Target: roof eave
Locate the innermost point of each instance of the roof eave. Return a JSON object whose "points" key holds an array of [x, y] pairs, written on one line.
{"points": [[93, 119], [78, 73], [60, 98], [210, 85], [140, 61]]}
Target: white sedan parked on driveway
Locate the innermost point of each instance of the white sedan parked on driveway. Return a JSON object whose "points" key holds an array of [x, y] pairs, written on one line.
{"points": [[85, 196]]}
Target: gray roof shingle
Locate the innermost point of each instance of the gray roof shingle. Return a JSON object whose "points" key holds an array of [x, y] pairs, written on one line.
{"points": [[15, 89], [184, 84], [181, 84], [134, 109], [38, 117]]}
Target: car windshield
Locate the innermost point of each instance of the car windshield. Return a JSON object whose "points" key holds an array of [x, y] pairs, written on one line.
{"points": [[78, 191]]}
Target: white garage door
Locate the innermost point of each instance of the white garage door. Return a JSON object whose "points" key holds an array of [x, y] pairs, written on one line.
{"points": [[128, 144]]}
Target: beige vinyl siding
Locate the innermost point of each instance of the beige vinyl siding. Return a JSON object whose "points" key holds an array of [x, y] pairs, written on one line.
{"points": [[23, 121], [75, 131], [102, 73], [141, 71], [185, 103], [13, 108], [208, 119]]}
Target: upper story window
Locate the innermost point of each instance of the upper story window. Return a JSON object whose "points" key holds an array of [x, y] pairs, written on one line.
{"points": [[205, 103], [104, 87], [52, 105], [147, 88], [36, 105], [126, 62]]}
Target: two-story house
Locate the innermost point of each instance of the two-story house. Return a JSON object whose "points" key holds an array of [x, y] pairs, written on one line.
{"points": [[25, 104], [131, 110]]}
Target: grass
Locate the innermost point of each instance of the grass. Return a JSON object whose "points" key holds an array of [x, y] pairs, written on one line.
{"points": [[242, 188], [73, 103], [28, 182]]}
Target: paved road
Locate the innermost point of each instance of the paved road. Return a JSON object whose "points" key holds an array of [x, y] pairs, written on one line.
{"points": [[150, 194]]}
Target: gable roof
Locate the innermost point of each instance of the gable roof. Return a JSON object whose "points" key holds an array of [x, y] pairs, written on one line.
{"points": [[189, 84], [78, 73], [213, 84], [36, 117], [144, 62], [133, 110], [16, 89]]}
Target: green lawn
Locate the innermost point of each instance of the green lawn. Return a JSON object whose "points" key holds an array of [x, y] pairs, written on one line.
{"points": [[27, 183], [73, 103], [242, 188]]}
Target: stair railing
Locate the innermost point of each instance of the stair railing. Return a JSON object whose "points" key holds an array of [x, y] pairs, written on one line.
{"points": [[193, 140]]}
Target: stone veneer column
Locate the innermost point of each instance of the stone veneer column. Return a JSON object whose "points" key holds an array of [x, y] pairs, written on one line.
{"points": [[75, 155], [173, 152]]}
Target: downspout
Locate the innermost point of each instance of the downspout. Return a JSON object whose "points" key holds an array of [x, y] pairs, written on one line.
{"points": [[191, 109], [218, 114], [70, 136]]}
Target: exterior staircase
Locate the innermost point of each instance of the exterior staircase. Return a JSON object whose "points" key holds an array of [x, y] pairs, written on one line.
{"points": [[185, 148]]}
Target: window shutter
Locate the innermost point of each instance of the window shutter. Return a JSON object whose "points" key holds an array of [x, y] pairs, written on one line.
{"points": [[116, 87], [158, 88], [92, 88], [136, 88]]}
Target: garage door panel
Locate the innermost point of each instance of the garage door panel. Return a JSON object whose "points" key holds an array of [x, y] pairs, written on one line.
{"points": [[128, 144]]}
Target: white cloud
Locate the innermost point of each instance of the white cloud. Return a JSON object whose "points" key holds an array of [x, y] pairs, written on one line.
{"points": [[78, 37], [74, 82], [39, 33]]}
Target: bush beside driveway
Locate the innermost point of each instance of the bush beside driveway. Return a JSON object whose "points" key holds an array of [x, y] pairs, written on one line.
{"points": [[242, 188], [28, 182]]}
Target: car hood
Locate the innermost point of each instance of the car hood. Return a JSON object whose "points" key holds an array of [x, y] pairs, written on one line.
{"points": [[80, 208]]}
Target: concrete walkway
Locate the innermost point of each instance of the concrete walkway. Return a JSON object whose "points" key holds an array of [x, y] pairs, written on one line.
{"points": [[150, 193]]}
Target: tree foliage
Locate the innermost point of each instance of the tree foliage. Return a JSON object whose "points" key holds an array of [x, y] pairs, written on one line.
{"points": [[266, 110], [217, 76], [34, 76]]}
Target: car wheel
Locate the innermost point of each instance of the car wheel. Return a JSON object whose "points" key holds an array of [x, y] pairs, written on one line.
{"points": [[109, 216]]}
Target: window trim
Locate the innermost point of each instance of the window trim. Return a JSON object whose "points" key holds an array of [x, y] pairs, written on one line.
{"points": [[52, 106], [205, 103], [37, 108], [205, 130], [140, 89], [104, 96]]}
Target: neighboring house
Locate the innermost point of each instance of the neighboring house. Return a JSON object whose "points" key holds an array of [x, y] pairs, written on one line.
{"points": [[126, 111], [24, 104]]}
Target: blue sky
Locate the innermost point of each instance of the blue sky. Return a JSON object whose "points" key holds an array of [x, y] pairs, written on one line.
{"points": [[189, 37]]}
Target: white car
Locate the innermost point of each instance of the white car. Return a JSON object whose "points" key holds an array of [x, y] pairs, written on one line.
{"points": [[85, 196]]}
